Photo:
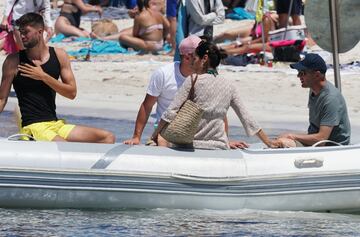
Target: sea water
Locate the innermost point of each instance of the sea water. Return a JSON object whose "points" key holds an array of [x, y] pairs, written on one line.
{"points": [[165, 222]]}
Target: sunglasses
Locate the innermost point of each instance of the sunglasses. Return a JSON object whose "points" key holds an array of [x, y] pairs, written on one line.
{"points": [[305, 72], [301, 73]]}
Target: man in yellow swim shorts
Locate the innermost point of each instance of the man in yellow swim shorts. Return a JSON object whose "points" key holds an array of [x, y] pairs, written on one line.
{"points": [[34, 74]]}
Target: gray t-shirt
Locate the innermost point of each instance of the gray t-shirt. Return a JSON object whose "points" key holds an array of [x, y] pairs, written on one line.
{"points": [[328, 108]]}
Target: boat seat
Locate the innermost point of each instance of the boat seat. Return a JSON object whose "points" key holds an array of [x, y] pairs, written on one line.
{"points": [[326, 141]]}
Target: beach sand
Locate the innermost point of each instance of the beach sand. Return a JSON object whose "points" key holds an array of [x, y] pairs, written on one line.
{"points": [[114, 87]]}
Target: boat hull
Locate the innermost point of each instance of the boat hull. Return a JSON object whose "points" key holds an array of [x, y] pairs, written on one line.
{"points": [[63, 175]]}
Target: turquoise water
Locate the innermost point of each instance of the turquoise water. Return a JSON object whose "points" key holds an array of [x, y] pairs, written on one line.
{"points": [[165, 222]]}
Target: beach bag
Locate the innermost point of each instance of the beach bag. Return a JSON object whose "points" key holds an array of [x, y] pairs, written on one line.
{"points": [[9, 43], [104, 27], [287, 50], [183, 128]]}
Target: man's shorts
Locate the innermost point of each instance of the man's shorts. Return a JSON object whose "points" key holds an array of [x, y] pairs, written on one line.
{"points": [[47, 131], [171, 8], [282, 7]]}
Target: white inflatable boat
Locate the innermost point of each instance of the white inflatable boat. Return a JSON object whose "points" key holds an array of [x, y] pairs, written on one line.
{"points": [[83, 175]]}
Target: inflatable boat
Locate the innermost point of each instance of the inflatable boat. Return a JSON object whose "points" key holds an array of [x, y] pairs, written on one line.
{"points": [[103, 176]]}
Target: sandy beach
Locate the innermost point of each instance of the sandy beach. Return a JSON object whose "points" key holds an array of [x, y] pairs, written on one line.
{"points": [[114, 86]]}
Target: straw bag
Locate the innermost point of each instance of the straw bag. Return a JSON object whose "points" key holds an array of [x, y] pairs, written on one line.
{"points": [[185, 125]]}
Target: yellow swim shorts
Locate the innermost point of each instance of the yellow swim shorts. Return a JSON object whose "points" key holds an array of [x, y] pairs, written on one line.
{"points": [[47, 131]]}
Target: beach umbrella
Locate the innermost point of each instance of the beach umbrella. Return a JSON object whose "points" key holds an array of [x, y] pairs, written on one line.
{"points": [[333, 26]]}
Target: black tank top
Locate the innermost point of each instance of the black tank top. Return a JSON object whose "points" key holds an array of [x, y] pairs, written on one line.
{"points": [[36, 99]]}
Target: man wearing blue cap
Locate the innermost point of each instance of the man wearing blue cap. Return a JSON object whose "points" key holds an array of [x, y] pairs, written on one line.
{"points": [[328, 115]]}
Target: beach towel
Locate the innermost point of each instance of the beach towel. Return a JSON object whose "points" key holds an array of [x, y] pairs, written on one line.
{"points": [[100, 47], [62, 38], [240, 14]]}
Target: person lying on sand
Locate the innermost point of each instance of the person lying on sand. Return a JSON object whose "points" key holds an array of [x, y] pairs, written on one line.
{"points": [[249, 40]]}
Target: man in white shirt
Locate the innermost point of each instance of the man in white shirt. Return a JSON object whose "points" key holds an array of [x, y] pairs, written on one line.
{"points": [[163, 85]]}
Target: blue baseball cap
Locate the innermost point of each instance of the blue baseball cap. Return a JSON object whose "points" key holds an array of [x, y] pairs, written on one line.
{"points": [[310, 62]]}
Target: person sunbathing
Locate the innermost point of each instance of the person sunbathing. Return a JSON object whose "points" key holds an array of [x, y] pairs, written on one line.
{"points": [[68, 23], [150, 28], [249, 40]]}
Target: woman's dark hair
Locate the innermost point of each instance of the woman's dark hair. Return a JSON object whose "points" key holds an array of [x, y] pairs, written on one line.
{"points": [[142, 4], [214, 53]]}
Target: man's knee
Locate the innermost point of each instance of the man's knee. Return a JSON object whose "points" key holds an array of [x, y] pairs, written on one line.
{"points": [[123, 36]]}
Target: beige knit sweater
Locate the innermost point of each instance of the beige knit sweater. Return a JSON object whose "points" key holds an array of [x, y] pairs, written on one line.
{"points": [[215, 95]]}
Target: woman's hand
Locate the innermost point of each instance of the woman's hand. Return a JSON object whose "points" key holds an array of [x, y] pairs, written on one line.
{"points": [[238, 144], [275, 143]]}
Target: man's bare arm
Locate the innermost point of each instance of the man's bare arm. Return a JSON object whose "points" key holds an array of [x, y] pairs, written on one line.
{"points": [[9, 70], [310, 139], [141, 119]]}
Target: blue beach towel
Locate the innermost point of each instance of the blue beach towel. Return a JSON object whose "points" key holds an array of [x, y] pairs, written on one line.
{"points": [[240, 14], [61, 37], [100, 47]]}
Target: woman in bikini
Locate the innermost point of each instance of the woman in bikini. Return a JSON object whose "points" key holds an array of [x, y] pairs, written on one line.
{"points": [[149, 30], [68, 23]]}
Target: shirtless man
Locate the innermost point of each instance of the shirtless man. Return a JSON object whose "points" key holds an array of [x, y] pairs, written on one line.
{"points": [[34, 74]]}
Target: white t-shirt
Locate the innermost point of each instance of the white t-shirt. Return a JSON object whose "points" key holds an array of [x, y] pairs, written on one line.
{"points": [[164, 83]]}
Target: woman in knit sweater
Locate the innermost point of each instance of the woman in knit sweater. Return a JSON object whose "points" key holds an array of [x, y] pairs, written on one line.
{"points": [[214, 94]]}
